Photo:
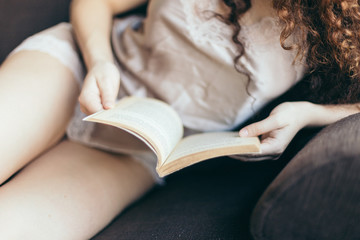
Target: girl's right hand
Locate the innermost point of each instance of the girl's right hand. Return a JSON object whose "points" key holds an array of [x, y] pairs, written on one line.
{"points": [[101, 87]]}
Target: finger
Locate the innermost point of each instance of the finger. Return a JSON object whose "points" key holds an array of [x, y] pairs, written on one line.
{"points": [[84, 110], [267, 147], [108, 91], [256, 129], [90, 103], [89, 98]]}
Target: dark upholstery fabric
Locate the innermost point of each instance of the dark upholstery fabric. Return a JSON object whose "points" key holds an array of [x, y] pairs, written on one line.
{"points": [[22, 18], [317, 195], [212, 200]]}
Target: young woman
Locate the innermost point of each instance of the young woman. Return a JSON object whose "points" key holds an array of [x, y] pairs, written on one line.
{"points": [[216, 62]]}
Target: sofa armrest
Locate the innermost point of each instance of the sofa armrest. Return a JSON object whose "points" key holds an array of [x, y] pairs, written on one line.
{"points": [[317, 195]]}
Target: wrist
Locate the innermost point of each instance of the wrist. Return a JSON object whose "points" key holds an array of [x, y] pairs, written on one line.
{"points": [[96, 48], [316, 115], [307, 111], [321, 115], [312, 114], [100, 62], [97, 56], [326, 114]]}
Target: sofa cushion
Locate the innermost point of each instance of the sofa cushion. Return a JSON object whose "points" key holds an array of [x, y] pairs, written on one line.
{"points": [[20, 19], [317, 195], [210, 200]]}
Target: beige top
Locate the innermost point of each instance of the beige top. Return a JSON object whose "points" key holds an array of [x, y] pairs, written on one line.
{"points": [[183, 56]]}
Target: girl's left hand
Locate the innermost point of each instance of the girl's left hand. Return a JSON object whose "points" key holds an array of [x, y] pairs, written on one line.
{"points": [[277, 130]]}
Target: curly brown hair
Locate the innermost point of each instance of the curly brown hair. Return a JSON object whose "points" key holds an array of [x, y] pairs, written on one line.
{"points": [[327, 35]]}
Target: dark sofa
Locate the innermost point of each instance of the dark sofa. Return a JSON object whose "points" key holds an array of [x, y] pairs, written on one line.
{"points": [[314, 195]]}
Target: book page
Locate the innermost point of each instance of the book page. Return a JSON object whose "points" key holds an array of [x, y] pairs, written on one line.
{"points": [[149, 119], [198, 147]]}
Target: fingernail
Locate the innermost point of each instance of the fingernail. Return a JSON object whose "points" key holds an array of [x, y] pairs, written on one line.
{"points": [[108, 105], [244, 133]]}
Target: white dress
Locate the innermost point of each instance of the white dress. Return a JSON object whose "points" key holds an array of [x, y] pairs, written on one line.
{"points": [[182, 55]]}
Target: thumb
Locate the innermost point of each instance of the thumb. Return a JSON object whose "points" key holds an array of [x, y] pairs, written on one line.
{"points": [[108, 92], [259, 128]]}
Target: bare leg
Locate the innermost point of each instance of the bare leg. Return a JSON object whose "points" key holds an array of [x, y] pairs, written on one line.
{"points": [[70, 192], [37, 97]]}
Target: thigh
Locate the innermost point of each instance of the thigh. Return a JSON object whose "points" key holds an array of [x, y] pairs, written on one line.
{"points": [[70, 192], [37, 98]]}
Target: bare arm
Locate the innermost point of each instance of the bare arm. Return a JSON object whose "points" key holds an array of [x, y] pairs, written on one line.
{"points": [[92, 22], [320, 115], [288, 118]]}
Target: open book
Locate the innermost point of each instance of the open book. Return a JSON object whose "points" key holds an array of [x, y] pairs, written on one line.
{"points": [[160, 127]]}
